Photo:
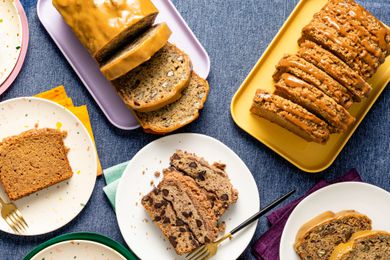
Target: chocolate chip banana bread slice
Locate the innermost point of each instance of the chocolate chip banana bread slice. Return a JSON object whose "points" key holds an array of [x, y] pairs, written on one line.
{"points": [[32, 161], [314, 100], [137, 51], [157, 82], [371, 244], [178, 114], [311, 74], [211, 178], [317, 238], [336, 68], [182, 211], [290, 116]]}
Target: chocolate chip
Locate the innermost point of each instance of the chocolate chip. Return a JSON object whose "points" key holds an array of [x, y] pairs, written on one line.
{"points": [[166, 220], [156, 191], [199, 223], [206, 240], [136, 103], [175, 156], [164, 202], [165, 192], [172, 240], [157, 218], [224, 197], [182, 230], [193, 164], [186, 214], [201, 175], [158, 205], [225, 205], [179, 222], [148, 199], [162, 212]]}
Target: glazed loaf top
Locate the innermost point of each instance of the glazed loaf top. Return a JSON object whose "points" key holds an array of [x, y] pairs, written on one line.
{"points": [[98, 23]]}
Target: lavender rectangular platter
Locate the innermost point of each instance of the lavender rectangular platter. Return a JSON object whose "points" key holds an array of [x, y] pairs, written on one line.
{"points": [[88, 71]]}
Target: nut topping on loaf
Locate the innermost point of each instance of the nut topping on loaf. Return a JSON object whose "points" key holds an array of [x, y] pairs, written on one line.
{"points": [[157, 82], [317, 238], [32, 161]]}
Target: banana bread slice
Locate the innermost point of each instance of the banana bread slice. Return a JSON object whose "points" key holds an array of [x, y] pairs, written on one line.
{"points": [[157, 82], [290, 116], [336, 68], [136, 52], [211, 178], [311, 98], [311, 74], [182, 212], [104, 26], [317, 238], [32, 161], [371, 244], [349, 10], [179, 113]]}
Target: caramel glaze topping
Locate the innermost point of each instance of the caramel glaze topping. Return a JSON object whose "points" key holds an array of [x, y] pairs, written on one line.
{"points": [[97, 22], [358, 14]]}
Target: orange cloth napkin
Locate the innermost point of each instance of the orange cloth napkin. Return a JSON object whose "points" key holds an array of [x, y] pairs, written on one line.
{"points": [[59, 96]]}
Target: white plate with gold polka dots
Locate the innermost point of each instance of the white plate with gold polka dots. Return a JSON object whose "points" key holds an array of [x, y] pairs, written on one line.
{"points": [[51, 208]]}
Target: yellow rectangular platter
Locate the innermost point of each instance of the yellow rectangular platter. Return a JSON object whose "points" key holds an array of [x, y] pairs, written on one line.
{"points": [[309, 157]]}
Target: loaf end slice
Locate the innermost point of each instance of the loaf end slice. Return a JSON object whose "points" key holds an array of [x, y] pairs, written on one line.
{"points": [[136, 52], [317, 238], [372, 244], [182, 211], [290, 116], [157, 82], [178, 114], [32, 161], [211, 178]]}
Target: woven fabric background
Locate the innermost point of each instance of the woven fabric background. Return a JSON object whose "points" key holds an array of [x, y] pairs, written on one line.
{"points": [[235, 33]]}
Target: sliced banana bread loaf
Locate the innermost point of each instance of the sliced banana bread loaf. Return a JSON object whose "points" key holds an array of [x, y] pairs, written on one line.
{"points": [[315, 76], [32, 161], [103, 26], [182, 212], [179, 113], [317, 238], [157, 82], [364, 245], [136, 52], [311, 98], [211, 178], [336, 68], [291, 116]]}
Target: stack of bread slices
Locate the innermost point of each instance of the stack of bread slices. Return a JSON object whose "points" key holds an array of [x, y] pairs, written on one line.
{"points": [[339, 50], [153, 77]]}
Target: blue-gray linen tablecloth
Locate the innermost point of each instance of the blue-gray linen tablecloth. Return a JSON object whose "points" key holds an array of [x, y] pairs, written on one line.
{"points": [[235, 33]]}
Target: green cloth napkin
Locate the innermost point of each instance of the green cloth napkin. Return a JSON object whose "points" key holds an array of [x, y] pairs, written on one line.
{"points": [[112, 176]]}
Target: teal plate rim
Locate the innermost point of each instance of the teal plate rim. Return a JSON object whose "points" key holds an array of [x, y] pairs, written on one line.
{"points": [[89, 236]]}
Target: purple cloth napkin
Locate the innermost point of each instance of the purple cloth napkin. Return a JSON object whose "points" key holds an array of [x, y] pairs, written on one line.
{"points": [[267, 246]]}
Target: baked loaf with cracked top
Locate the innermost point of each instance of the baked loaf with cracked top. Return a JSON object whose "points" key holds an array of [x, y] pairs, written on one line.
{"points": [[104, 26], [179, 113], [318, 238], [32, 161], [372, 244], [157, 82]]}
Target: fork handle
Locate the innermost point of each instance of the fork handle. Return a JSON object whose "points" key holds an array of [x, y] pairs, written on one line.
{"points": [[261, 212]]}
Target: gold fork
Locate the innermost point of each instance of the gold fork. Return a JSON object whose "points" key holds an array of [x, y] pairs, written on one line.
{"points": [[13, 217], [209, 250]]}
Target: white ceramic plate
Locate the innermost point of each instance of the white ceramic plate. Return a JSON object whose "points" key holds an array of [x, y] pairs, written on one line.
{"points": [[78, 249], [52, 208], [141, 235], [362, 197], [10, 38]]}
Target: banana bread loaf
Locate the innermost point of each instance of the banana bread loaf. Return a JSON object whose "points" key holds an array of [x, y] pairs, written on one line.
{"points": [[317, 238], [290, 116], [32, 161], [103, 26]]}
